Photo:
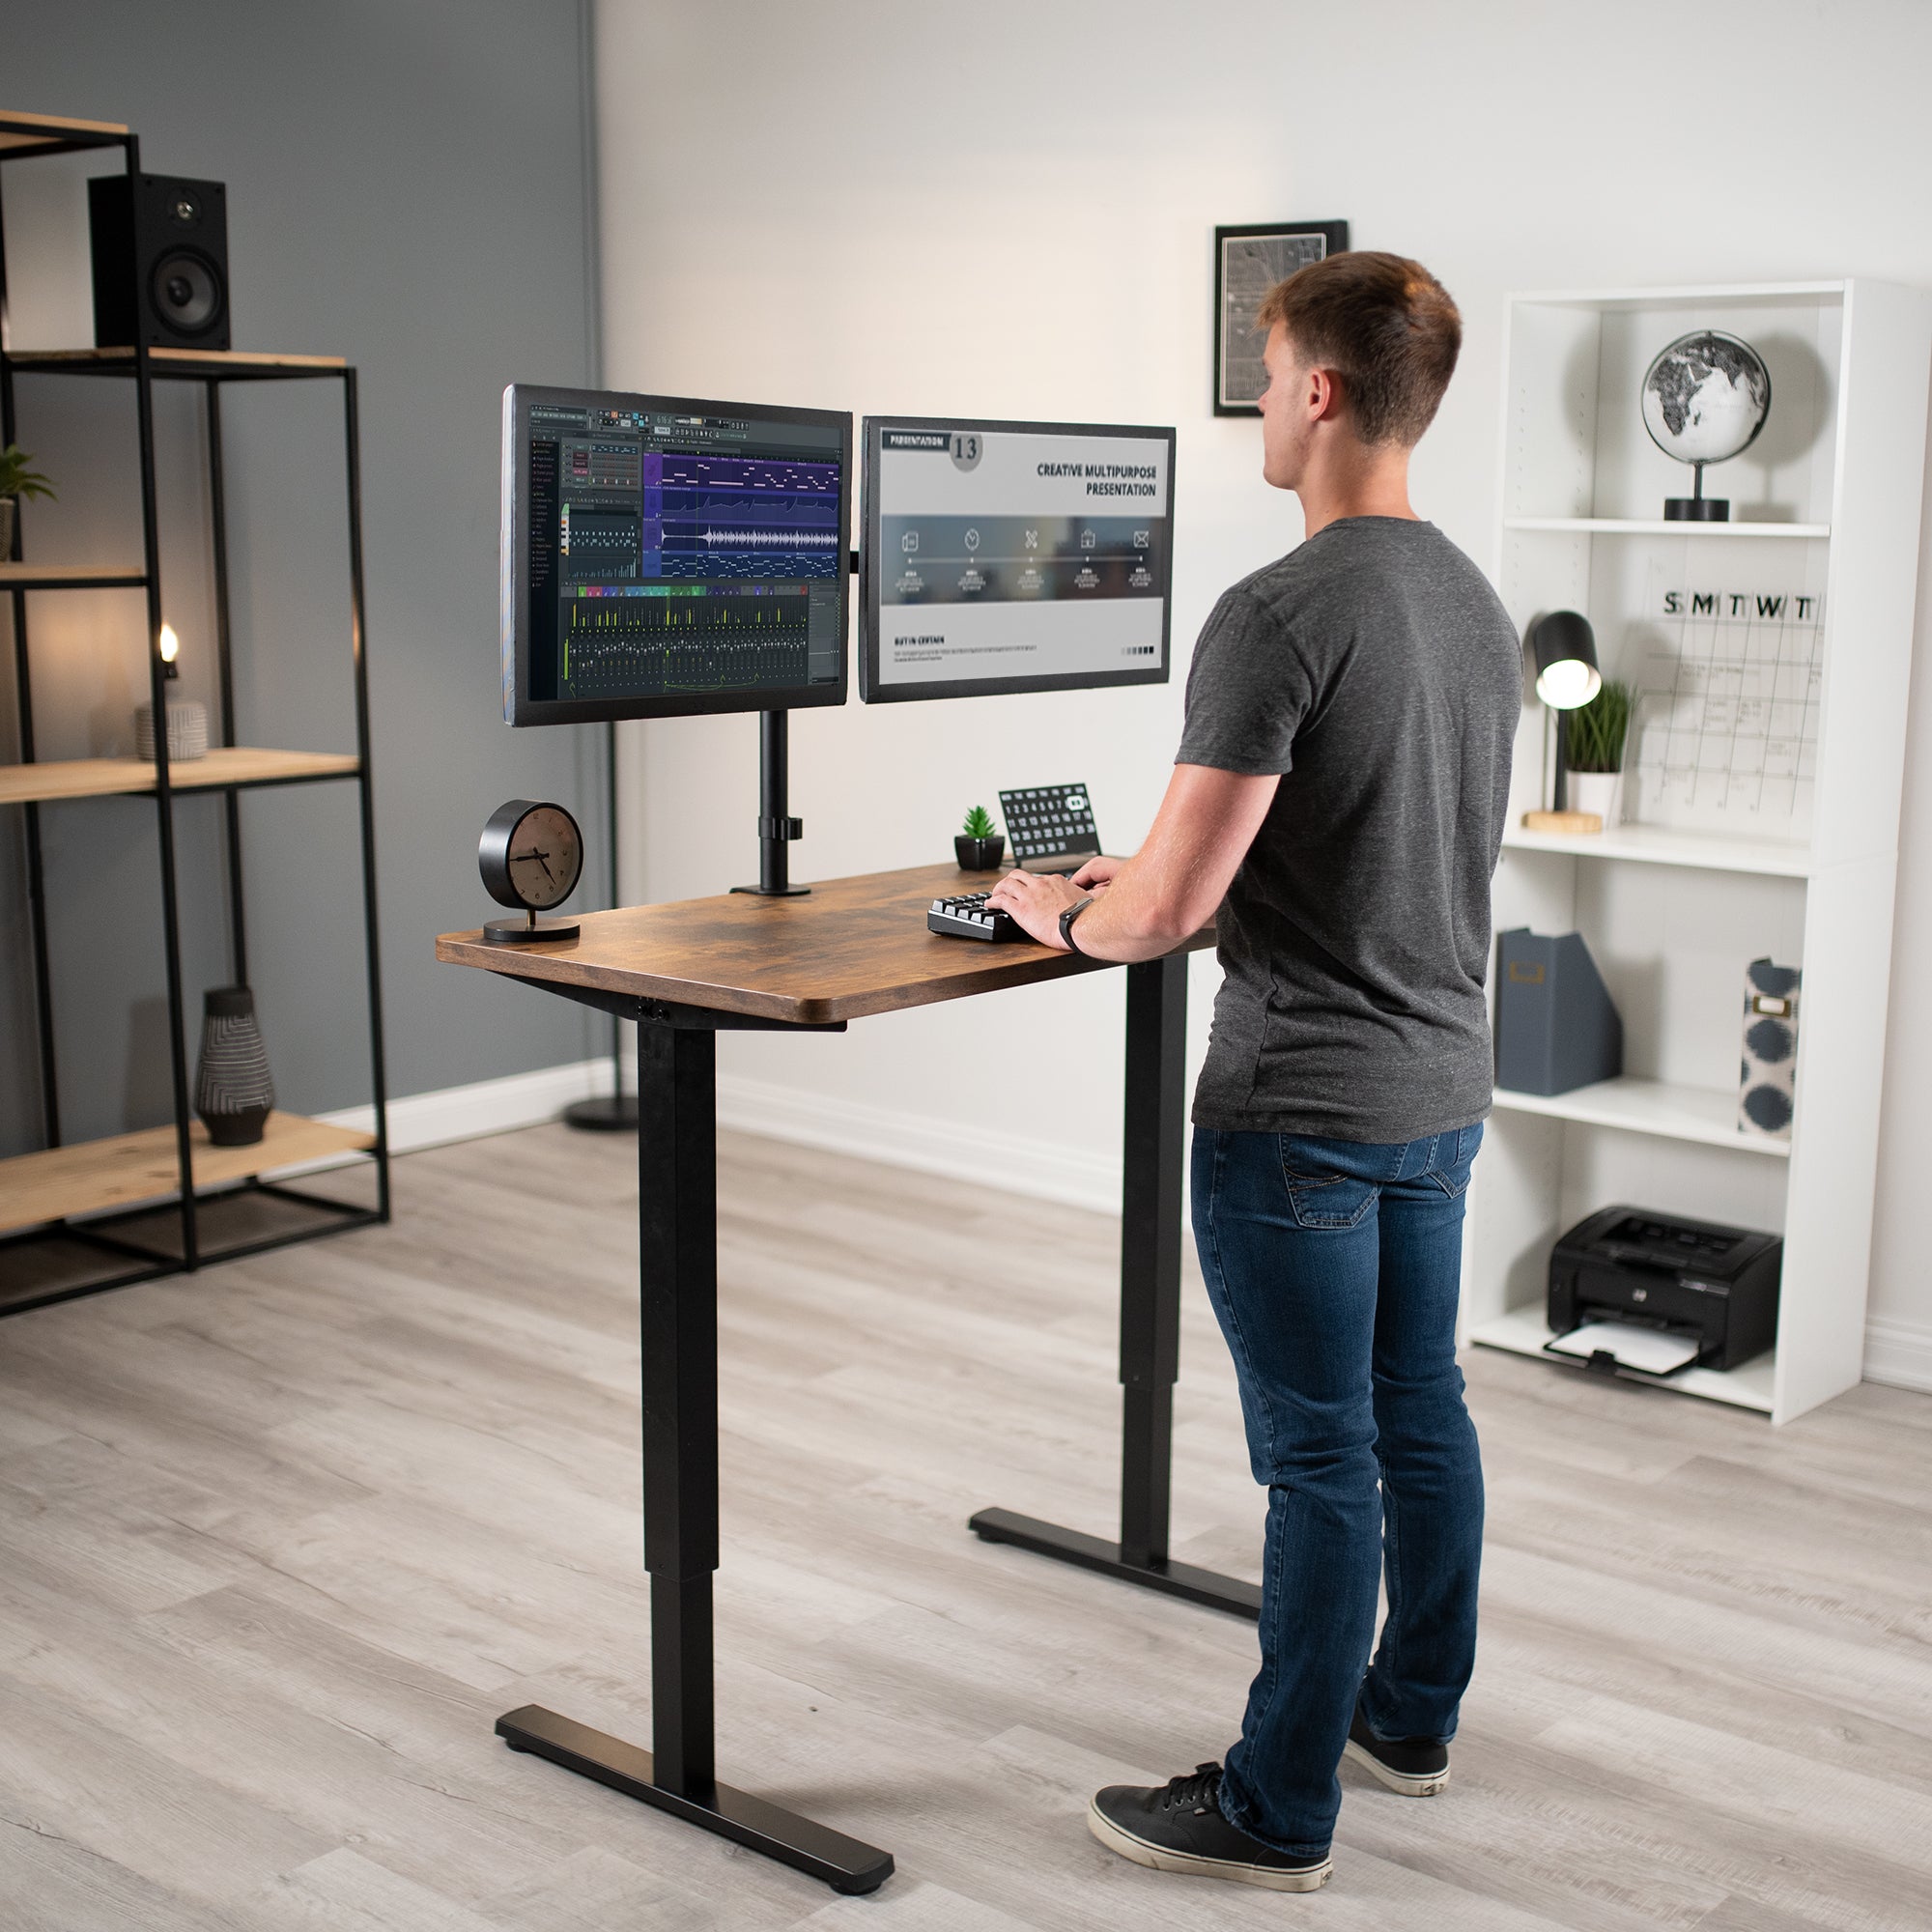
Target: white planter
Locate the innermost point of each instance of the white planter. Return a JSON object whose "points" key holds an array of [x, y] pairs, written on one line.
{"points": [[1596, 791]]}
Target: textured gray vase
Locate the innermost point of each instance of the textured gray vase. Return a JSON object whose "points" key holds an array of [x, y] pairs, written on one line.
{"points": [[233, 1093]]}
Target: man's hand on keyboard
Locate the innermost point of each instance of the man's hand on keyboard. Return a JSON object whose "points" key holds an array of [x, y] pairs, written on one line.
{"points": [[1036, 901], [1098, 875]]}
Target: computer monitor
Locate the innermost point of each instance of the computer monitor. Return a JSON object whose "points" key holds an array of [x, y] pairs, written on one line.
{"points": [[1004, 557], [663, 556]]}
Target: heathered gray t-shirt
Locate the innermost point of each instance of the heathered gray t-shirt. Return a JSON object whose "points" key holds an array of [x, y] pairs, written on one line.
{"points": [[1375, 669]]}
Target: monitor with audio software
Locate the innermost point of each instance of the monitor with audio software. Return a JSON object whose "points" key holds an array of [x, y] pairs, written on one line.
{"points": [[663, 556], [1004, 557]]}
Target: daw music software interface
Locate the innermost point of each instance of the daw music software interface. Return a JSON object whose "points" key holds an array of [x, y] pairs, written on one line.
{"points": [[681, 555]]}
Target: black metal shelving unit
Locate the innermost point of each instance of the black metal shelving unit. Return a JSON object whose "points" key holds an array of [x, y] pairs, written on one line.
{"points": [[118, 1199]]}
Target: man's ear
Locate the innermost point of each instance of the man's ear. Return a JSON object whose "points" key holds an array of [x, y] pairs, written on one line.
{"points": [[1325, 397]]}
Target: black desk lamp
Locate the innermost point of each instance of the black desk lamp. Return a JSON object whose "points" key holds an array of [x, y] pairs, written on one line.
{"points": [[1567, 678]]}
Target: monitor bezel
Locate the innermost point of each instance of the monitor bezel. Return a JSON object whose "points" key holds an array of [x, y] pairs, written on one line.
{"points": [[520, 708], [871, 690]]}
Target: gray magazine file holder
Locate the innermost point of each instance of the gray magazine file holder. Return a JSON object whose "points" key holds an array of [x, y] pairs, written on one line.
{"points": [[1555, 1025]]}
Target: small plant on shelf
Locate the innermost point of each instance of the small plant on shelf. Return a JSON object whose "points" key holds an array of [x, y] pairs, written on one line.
{"points": [[978, 848], [17, 479], [1598, 729]]}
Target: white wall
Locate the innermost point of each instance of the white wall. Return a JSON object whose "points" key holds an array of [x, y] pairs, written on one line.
{"points": [[1006, 208]]}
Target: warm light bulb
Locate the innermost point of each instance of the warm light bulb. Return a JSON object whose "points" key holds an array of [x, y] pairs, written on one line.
{"points": [[170, 644], [1568, 684]]}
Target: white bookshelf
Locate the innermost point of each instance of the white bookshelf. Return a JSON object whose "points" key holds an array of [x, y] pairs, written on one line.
{"points": [[1702, 874]]}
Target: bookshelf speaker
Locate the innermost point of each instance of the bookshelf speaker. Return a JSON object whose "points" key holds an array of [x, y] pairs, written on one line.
{"points": [[160, 262]]}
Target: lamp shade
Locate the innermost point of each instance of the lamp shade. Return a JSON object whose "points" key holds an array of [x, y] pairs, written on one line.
{"points": [[1565, 649]]}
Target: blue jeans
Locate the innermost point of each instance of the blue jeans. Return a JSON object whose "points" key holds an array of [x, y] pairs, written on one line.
{"points": [[1333, 1267]]}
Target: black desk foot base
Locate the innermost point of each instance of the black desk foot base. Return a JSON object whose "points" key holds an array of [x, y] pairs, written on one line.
{"points": [[843, 1864], [1091, 1553], [608, 1114]]}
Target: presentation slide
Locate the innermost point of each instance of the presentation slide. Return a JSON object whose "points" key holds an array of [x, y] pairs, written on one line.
{"points": [[1017, 554]]}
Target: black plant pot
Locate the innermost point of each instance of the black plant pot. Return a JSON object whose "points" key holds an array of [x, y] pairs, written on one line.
{"points": [[979, 855], [233, 1093]]}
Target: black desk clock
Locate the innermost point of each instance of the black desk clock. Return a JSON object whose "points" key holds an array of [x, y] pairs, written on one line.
{"points": [[530, 856]]}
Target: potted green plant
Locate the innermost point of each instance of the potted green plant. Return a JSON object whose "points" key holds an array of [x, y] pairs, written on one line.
{"points": [[16, 480], [1597, 732], [978, 848]]}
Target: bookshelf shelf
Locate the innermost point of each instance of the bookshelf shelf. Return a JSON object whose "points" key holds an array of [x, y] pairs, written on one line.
{"points": [[1746, 1386], [95, 1177], [1660, 845], [224, 765], [1703, 1113], [1640, 527]]}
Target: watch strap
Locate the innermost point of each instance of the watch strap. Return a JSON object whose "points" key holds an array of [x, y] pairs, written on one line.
{"points": [[1067, 920]]}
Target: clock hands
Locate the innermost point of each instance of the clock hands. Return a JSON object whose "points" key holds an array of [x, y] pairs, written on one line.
{"points": [[534, 853]]}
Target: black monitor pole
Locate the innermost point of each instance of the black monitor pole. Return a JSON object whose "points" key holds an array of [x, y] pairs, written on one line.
{"points": [[614, 1112], [775, 829]]}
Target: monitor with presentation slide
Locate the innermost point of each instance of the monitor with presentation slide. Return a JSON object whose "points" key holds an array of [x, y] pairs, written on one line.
{"points": [[663, 556], [1004, 557]]}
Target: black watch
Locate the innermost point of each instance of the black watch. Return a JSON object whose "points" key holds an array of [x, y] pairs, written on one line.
{"points": [[1067, 920]]}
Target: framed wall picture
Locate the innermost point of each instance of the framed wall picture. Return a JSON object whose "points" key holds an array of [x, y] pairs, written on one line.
{"points": [[1248, 261]]}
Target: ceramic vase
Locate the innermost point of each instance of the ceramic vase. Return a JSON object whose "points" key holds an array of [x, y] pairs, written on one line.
{"points": [[1596, 791], [233, 1093]]}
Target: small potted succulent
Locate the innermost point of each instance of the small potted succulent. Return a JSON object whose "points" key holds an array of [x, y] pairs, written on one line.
{"points": [[16, 480], [978, 848]]}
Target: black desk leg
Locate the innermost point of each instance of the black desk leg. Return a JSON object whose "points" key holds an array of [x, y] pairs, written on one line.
{"points": [[1150, 1198], [677, 1225]]}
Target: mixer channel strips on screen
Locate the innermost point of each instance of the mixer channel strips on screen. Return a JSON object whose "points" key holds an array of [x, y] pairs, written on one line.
{"points": [[1050, 822]]}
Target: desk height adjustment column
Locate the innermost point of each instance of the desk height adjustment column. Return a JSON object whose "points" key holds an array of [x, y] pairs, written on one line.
{"points": [[678, 1231], [1152, 1192]]}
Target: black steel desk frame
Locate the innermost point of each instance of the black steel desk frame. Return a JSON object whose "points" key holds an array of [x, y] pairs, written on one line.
{"points": [[677, 1262]]}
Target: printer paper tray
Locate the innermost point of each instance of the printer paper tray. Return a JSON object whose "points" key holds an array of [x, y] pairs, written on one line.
{"points": [[1651, 1352]]}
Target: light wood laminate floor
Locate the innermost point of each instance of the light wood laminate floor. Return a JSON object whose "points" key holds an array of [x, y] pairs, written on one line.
{"points": [[279, 1542]]}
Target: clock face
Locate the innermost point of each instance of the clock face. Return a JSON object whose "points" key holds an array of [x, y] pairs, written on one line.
{"points": [[546, 855]]}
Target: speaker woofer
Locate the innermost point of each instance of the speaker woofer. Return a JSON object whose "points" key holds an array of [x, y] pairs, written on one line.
{"points": [[186, 291]]}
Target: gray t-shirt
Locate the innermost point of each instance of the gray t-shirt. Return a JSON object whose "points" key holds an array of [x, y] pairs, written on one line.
{"points": [[1375, 669]]}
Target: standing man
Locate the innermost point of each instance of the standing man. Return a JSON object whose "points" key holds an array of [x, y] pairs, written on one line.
{"points": [[1339, 796]]}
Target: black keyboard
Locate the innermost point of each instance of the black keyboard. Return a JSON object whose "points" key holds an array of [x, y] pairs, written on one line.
{"points": [[965, 916]]}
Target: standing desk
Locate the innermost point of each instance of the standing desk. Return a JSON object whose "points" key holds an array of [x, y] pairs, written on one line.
{"points": [[686, 971]]}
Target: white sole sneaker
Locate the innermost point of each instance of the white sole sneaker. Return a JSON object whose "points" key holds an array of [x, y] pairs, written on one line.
{"points": [[1408, 1783], [1162, 1857]]}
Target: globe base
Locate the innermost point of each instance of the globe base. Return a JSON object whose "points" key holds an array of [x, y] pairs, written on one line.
{"points": [[1696, 509]]}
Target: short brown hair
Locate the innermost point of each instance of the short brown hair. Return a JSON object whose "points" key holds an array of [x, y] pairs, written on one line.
{"points": [[1385, 325]]}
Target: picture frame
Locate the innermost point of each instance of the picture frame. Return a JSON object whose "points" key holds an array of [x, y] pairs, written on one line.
{"points": [[1248, 261]]}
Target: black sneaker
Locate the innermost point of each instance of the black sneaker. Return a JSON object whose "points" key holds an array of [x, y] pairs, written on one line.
{"points": [[1177, 1827], [1415, 1767]]}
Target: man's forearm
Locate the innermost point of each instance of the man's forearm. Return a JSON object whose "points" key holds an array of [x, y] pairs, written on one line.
{"points": [[1133, 920]]}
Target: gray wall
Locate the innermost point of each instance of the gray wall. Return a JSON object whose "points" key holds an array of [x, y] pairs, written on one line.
{"points": [[406, 187]]}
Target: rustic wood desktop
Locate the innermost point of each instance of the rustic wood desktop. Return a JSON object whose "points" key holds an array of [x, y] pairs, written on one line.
{"points": [[853, 947]]}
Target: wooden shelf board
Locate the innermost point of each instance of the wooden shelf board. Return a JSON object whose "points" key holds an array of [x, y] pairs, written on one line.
{"points": [[94, 1175], [224, 765], [1644, 526], [41, 131], [1706, 1115], [175, 363], [1660, 845], [1523, 1331], [76, 576]]}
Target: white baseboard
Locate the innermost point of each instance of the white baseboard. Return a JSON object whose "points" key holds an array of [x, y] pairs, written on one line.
{"points": [[985, 1155], [1899, 1353], [418, 1120], [1045, 1169]]}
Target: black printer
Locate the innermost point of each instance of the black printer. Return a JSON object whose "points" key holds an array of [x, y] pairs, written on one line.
{"points": [[1717, 1285]]}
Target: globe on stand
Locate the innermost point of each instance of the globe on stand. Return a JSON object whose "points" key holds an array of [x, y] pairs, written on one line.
{"points": [[1705, 399]]}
